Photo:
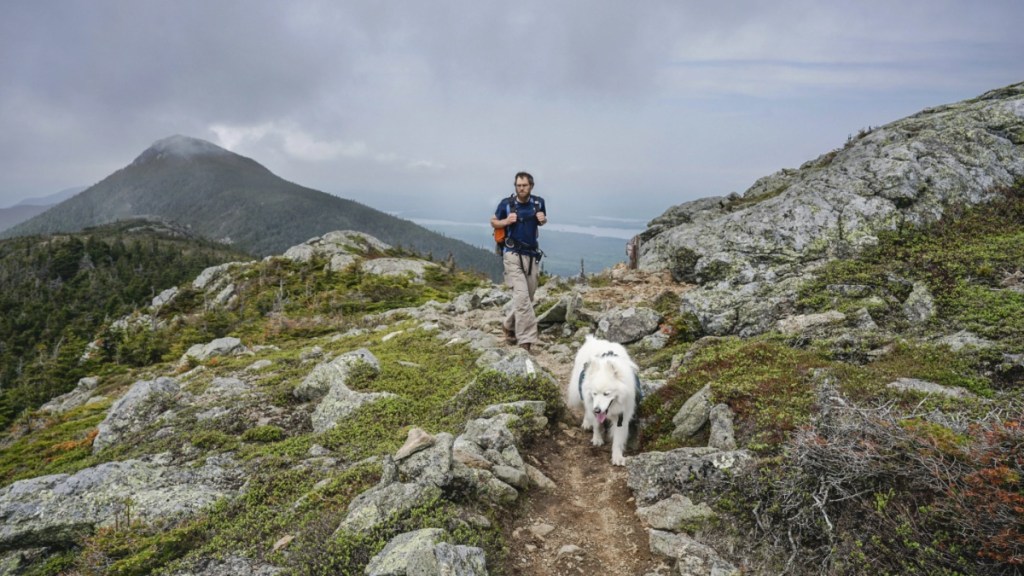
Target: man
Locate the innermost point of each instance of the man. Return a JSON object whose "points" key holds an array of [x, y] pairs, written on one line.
{"points": [[520, 215]]}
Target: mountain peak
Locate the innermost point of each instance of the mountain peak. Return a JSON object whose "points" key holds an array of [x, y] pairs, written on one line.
{"points": [[180, 146]]}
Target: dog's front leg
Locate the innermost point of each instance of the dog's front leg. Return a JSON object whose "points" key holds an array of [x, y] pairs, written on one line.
{"points": [[588, 419], [598, 438], [619, 436]]}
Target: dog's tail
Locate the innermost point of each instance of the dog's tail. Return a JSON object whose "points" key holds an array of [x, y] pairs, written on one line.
{"points": [[572, 391]]}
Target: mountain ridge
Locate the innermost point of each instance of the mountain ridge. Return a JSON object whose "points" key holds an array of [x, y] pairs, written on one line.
{"points": [[233, 199]]}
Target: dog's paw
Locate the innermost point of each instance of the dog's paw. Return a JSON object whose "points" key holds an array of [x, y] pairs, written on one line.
{"points": [[587, 425], [597, 441], [618, 460]]}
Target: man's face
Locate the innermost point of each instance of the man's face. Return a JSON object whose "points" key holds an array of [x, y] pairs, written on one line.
{"points": [[523, 188]]}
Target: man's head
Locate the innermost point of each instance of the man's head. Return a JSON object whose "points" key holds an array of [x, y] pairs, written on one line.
{"points": [[524, 185]]}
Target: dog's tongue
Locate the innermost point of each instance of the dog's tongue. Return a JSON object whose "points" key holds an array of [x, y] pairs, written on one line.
{"points": [[601, 417]]}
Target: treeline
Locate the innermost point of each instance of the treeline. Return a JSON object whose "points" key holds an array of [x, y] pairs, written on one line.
{"points": [[57, 292]]}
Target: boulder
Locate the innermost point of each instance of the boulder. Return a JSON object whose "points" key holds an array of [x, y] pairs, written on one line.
{"points": [[424, 552], [59, 509], [626, 325], [325, 375], [143, 402], [655, 476], [693, 415]]}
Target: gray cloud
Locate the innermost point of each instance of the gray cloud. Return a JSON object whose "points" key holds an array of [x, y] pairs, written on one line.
{"points": [[427, 108]]}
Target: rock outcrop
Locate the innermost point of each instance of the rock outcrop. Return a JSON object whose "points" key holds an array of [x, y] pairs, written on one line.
{"points": [[750, 253]]}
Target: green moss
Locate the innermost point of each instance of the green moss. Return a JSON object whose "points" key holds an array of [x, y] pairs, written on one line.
{"points": [[263, 434]]}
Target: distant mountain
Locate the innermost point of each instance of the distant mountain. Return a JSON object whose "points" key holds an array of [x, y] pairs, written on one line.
{"points": [[51, 199], [29, 207], [235, 200], [14, 215]]}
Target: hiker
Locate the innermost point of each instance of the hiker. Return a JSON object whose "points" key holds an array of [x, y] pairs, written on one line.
{"points": [[519, 215]]}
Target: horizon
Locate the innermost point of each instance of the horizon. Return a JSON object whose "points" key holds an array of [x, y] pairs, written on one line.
{"points": [[428, 111]]}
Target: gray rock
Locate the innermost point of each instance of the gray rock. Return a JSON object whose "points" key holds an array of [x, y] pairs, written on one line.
{"points": [[654, 476], [920, 305], [670, 514], [628, 325], [58, 509], [231, 565], [319, 381], [339, 403], [135, 410], [163, 298], [432, 464], [722, 435], [804, 322], [692, 557], [923, 386], [424, 553], [416, 269], [964, 339], [228, 346], [539, 479], [345, 244], [693, 415], [515, 477], [79, 396], [373, 507], [744, 253], [210, 278]]}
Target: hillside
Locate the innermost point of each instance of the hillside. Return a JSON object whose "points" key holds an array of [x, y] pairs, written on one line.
{"points": [[235, 200], [347, 408], [58, 292], [306, 374], [750, 253]]}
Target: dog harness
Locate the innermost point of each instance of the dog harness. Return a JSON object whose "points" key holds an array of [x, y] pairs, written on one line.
{"points": [[636, 383]]}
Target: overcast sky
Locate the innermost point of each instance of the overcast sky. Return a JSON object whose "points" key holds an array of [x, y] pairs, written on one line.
{"points": [[427, 109]]}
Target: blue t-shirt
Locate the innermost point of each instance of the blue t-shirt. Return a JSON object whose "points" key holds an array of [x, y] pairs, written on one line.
{"points": [[524, 231]]}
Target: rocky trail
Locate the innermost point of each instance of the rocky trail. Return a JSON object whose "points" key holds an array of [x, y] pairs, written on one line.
{"points": [[585, 522]]}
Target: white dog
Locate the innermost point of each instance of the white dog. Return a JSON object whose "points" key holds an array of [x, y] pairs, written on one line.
{"points": [[604, 384]]}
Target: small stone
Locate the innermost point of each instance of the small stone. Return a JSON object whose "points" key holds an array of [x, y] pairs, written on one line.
{"points": [[541, 530], [284, 541], [417, 440], [569, 549]]}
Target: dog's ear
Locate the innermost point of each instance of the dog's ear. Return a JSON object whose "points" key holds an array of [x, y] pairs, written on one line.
{"points": [[615, 370]]}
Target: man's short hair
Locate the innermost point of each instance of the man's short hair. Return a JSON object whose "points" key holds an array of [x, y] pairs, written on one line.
{"points": [[527, 175]]}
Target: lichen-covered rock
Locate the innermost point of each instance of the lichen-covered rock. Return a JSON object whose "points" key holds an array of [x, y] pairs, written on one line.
{"points": [[654, 476], [425, 553], [692, 558], [143, 402], [325, 375], [58, 509], [693, 415], [627, 325], [227, 346], [373, 507], [671, 513], [77, 397], [742, 251]]}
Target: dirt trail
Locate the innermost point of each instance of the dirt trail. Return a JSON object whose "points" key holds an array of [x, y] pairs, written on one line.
{"points": [[586, 524]]}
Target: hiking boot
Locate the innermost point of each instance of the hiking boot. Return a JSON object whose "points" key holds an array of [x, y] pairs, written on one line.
{"points": [[510, 336], [525, 346]]}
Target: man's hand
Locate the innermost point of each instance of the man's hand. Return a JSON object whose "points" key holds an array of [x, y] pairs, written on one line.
{"points": [[512, 218], [542, 218]]}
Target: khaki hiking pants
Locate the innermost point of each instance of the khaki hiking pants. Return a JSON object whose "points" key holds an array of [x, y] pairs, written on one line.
{"points": [[521, 274]]}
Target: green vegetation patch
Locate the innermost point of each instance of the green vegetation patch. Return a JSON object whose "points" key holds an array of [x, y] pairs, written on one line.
{"points": [[972, 261], [765, 382], [51, 444]]}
